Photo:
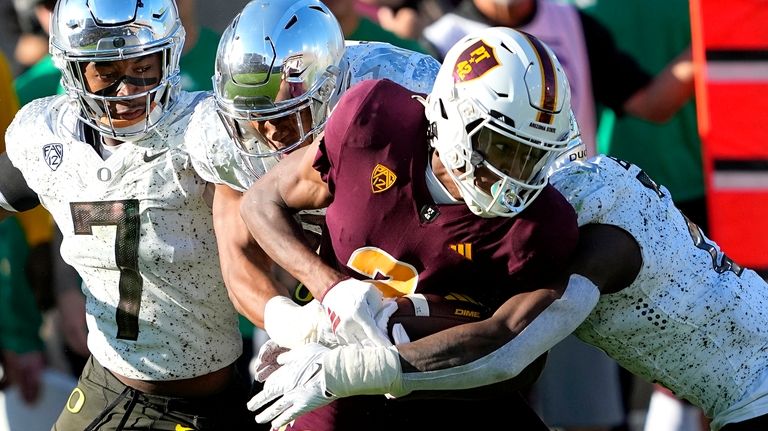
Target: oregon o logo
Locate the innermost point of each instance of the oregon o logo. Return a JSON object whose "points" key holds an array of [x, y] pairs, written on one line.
{"points": [[104, 174], [78, 402]]}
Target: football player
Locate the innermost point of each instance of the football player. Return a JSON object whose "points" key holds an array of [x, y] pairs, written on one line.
{"points": [[674, 310], [108, 161], [281, 66], [459, 203]]}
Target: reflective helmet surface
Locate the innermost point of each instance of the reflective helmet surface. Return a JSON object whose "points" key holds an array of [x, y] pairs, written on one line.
{"points": [[277, 62], [501, 101], [85, 31]]}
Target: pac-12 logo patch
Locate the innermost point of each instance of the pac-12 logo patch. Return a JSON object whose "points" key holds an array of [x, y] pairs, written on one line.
{"points": [[53, 155], [382, 178], [474, 62]]}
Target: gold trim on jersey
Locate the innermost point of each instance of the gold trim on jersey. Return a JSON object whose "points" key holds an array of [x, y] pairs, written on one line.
{"points": [[464, 249]]}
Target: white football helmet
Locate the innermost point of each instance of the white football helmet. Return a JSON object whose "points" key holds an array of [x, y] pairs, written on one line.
{"points": [[277, 62], [502, 102], [575, 151], [85, 31]]}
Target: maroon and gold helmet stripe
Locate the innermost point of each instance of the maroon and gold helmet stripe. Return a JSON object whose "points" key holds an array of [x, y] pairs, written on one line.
{"points": [[548, 102]]}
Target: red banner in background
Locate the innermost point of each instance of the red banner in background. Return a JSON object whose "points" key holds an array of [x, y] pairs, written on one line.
{"points": [[730, 51]]}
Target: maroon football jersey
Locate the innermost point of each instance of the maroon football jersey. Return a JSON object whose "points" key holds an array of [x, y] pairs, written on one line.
{"points": [[383, 224]]}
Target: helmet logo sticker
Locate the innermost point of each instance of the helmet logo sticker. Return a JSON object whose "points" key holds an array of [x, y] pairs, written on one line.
{"points": [[53, 155], [548, 101], [475, 62], [382, 178]]}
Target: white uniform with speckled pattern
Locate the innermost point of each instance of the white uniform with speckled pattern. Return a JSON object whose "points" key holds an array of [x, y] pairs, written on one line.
{"points": [[215, 155], [187, 326], [688, 321]]}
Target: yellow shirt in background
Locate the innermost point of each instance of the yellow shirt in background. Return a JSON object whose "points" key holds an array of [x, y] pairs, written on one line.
{"points": [[37, 223]]}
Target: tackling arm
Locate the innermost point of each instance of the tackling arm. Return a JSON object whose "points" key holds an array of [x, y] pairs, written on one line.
{"points": [[267, 210], [244, 265]]}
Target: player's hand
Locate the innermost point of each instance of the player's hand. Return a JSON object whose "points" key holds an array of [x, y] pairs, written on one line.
{"points": [[297, 384], [25, 371], [313, 375], [291, 325], [266, 361], [356, 310]]}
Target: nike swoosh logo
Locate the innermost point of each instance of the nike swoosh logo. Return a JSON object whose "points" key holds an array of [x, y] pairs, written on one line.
{"points": [[181, 428], [148, 158]]}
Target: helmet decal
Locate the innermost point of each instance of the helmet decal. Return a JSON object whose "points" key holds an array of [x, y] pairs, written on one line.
{"points": [[548, 102], [477, 60]]}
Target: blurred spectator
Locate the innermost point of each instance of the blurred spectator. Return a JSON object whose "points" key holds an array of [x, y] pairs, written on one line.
{"points": [[42, 78], [32, 43], [407, 18], [358, 27], [20, 319], [596, 69], [654, 31], [199, 52], [9, 35]]}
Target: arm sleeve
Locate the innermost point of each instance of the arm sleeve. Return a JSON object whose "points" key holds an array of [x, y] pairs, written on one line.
{"points": [[616, 76], [558, 320], [15, 194]]}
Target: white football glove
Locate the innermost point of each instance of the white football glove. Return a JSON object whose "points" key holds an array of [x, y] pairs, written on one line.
{"points": [[356, 310], [266, 361], [313, 375], [292, 325]]}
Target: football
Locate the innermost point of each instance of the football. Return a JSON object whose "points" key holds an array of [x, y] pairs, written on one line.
{"points": [[425, 314]]}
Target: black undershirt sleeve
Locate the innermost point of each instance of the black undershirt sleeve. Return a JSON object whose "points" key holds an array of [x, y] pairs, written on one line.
{"points": [[616, 76], [14, 188]]}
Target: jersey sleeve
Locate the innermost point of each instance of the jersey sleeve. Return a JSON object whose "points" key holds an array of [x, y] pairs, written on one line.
{"points": [[544, 238], [212, 151], [23, 140], [592, 198], [15, 194], [363, 122]]}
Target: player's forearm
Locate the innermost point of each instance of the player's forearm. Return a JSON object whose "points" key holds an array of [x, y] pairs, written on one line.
{"points": [[244, 266], [454, 365], [281, 236], [672, 88]]}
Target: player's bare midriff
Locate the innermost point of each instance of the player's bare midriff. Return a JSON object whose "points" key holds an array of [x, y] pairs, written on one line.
{"points": [[193, 387]]}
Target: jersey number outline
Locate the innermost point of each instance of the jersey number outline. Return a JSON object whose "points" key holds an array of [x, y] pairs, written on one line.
{"points": [[400, 278], [721, 265], [124, 215]]}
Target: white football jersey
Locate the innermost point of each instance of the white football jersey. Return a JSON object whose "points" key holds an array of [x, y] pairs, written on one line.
{"points": [[137, 229], [692, 320], [215, 155]]}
